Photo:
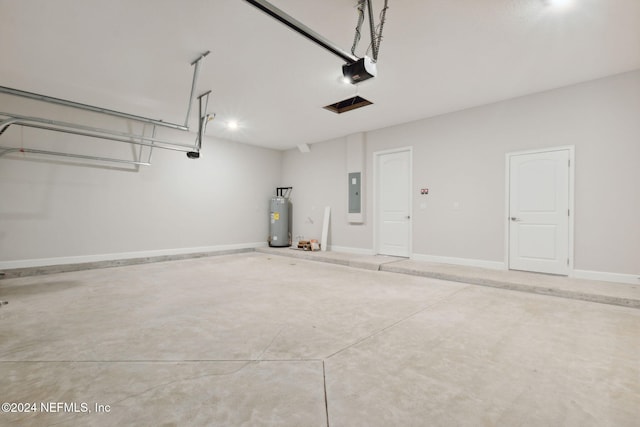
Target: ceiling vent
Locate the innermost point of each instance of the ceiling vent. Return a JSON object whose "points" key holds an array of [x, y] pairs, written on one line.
{"points": [[348, 105]]}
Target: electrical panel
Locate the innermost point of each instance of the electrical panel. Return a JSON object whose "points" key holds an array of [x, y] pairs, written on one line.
{"points": [[355, 192]]}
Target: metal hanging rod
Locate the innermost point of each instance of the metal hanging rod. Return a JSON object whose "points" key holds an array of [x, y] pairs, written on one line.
{"points": [[123, 115], [111, 138], [193, 150], [75, 156], [86, 107], [202, 124], [299, 27], [76, 129]]}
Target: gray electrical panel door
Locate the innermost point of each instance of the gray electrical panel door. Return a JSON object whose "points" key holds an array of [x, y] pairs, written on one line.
{"points": [[355, 192]]}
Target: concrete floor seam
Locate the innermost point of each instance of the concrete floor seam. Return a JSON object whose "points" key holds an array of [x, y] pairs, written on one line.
{"points": [[396, 323], [324, 375], [271, 342], [179, 381], [159, 361], [326, 400]]}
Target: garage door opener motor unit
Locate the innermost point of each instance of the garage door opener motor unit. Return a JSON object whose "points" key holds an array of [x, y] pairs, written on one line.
{"points": [[280, 218]]}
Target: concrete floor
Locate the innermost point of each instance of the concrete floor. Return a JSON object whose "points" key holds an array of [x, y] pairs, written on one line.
{"points": [[257, 339]]}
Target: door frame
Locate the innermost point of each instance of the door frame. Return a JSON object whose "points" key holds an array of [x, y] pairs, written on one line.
{"points": [[376, 197], [507, 187]]}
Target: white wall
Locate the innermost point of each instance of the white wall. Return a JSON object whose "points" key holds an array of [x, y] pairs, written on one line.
{"points": [[319, 179], [460, 157], [56, 210]]}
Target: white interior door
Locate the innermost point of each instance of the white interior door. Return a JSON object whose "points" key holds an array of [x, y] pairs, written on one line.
{"points": [[539, 212], [393, 203]]}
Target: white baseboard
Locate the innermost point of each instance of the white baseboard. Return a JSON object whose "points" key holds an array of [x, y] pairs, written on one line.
{"points": [[41, 262], [494, 265], [348, 250], [632, 279]]}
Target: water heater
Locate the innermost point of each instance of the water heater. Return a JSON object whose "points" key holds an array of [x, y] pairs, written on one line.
{"points": [[279, 210]]}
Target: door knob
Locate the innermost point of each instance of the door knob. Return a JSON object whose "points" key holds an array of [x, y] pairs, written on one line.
{"points": [[513, 218], [408, 216]]}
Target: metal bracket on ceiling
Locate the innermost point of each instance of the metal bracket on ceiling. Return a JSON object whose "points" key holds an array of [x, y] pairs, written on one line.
{"points": [[196, 70], [105, 134], [203, 119], [375, 32]]}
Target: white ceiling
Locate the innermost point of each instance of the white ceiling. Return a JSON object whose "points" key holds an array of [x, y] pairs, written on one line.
{"points": [[437, 56]]}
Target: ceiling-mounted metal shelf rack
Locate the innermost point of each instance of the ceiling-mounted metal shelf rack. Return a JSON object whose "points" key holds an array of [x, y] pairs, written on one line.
{"points": [[8, 119]]}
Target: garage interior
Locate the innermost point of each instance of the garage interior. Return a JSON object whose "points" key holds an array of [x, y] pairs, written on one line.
{"points": [[479, 258]]}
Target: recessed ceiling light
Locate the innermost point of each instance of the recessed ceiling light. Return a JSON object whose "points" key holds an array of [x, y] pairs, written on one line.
{"points": [[559, 4], [232, 124]]}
